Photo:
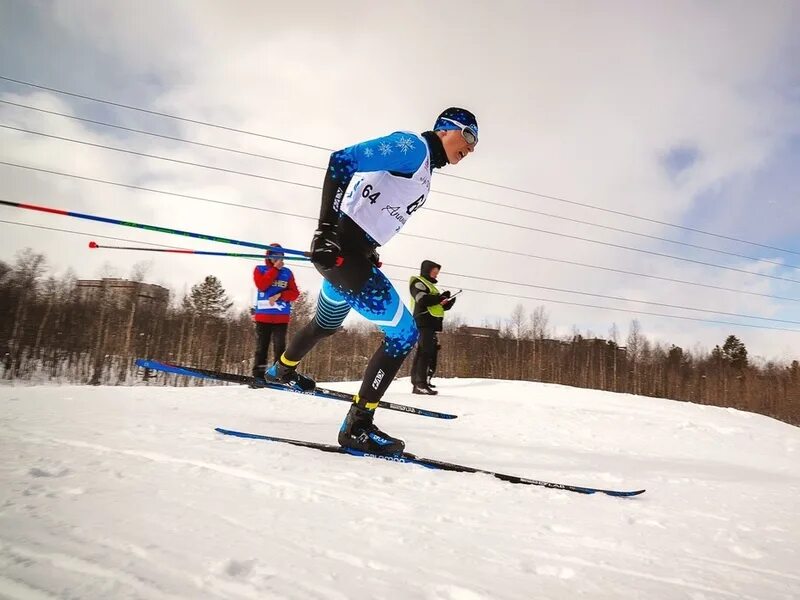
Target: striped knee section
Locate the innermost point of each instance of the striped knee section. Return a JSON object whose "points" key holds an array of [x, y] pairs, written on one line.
{"points": [[330, 314]]}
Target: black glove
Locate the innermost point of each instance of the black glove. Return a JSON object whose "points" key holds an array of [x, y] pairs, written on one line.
{"points": [[446, 294], [325, 248], [375, 258]]}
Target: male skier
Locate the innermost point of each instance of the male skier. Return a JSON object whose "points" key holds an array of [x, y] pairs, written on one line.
{"points": [[370, 191]]}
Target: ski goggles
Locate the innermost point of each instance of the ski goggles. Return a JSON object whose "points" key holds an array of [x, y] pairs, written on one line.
{"points": [[470, 133]]}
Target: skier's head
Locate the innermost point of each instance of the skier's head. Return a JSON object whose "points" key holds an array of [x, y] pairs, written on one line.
{"points": [[430, 270], [274, 254], [458, 130]]}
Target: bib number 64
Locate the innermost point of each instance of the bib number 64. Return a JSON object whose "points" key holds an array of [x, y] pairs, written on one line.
{"points": [[368, 193]]}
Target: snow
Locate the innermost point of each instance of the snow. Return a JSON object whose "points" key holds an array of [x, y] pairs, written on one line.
{"points": [[127, 492]]}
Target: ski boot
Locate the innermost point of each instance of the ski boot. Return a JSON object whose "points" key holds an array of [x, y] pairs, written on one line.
{"points": [[288, 375], [360, 433], [258, 373], [424, 390]]}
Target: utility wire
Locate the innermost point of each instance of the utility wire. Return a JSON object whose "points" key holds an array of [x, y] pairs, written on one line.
{"points": [[461, 196], [165, 137], [468, 179], [407, 267], [162, 114], [482, 219], [423, 237]]}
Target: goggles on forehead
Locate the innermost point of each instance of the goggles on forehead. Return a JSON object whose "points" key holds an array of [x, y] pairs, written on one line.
{"points": [[470, 133]]}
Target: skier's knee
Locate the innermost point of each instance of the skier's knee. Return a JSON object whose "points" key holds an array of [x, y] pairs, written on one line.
{"points": [[400, 344]]}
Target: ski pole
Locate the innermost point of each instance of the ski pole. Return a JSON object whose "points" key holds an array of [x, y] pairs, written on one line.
{"points": [[109, 220], [94, 245]]}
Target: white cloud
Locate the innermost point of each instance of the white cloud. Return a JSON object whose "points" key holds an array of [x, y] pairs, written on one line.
{"points": [[577, 100]]}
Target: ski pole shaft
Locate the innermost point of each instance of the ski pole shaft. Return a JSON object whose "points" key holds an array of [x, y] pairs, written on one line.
{"points": [[94, 245], [109, 220]]}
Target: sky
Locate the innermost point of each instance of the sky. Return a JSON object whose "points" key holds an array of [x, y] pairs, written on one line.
{"points": [[685, 115]]}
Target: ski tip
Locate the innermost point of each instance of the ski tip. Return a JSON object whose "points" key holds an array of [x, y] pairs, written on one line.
{"points": [[625, 494]]}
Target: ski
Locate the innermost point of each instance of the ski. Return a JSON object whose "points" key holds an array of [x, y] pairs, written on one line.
{"points": [[407, 457], [256, 382]]}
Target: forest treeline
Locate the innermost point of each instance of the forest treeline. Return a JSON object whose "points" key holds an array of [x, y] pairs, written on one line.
{"points": [[57, 330]]}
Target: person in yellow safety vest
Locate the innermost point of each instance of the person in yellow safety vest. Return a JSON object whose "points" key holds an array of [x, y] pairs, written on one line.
{"points": [[429, 307]]}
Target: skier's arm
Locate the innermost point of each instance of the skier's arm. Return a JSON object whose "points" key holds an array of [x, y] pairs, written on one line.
{"points": [[291, 293], [264, 280]]}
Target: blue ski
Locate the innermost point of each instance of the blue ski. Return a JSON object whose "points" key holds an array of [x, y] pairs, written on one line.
{"points": [[430, 463], [255, 382]]}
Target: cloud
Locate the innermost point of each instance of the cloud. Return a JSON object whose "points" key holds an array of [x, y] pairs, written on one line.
{"points": [[683, 112]]}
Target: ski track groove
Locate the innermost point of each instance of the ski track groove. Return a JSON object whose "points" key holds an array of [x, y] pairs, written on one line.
{"points": [[87, 568], [648, 576], [14, 589], [735, 565]]}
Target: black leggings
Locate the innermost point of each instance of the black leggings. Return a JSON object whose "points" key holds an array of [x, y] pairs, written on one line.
{"points": [[265, 332], [425, 358]]}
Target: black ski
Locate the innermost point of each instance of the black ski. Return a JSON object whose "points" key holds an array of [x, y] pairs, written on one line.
{"points": [[430, 463], [257, 382]]}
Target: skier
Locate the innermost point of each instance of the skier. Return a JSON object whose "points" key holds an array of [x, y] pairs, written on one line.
{"points": [[273, 310], [370, 191], [429, 306]]}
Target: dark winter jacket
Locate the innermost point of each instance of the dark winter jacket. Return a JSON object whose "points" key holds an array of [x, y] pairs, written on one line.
{"points": [[425, 300]]}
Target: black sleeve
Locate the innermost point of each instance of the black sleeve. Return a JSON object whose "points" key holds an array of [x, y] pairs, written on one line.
{"points": [[340, 171], [419, 291]]}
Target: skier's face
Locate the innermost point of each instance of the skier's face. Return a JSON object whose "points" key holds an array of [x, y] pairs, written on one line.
{"points": [[455, 145], [434, 272]]}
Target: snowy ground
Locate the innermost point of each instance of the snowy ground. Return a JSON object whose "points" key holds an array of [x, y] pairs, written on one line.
{"points": [[118, 493]]}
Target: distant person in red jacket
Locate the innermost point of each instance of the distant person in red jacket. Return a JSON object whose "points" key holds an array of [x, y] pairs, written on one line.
{"points": [[273, 311]]}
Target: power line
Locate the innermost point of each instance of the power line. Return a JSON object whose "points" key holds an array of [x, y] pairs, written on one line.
{"points": [[607, 297], [436, 239], [613, 245], [156, 191], [468, 179], [601, 268], [407, 267], [166, 137], [157, 157], [302, 164], [482, 219], [637, 312], [163, 114], [625, 214]]}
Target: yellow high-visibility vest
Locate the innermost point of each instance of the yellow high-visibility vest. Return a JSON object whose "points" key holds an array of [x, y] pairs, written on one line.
{"points": [[436, 310]]}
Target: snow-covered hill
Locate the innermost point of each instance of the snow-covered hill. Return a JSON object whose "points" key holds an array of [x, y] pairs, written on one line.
{"points": [[118, 493]]}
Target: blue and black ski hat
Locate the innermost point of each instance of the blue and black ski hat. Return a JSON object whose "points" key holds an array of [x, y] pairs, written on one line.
{"points": [[456, 118]]}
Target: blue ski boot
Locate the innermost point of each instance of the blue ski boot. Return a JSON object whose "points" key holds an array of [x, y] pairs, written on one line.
{"points": [[288, 375]]}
